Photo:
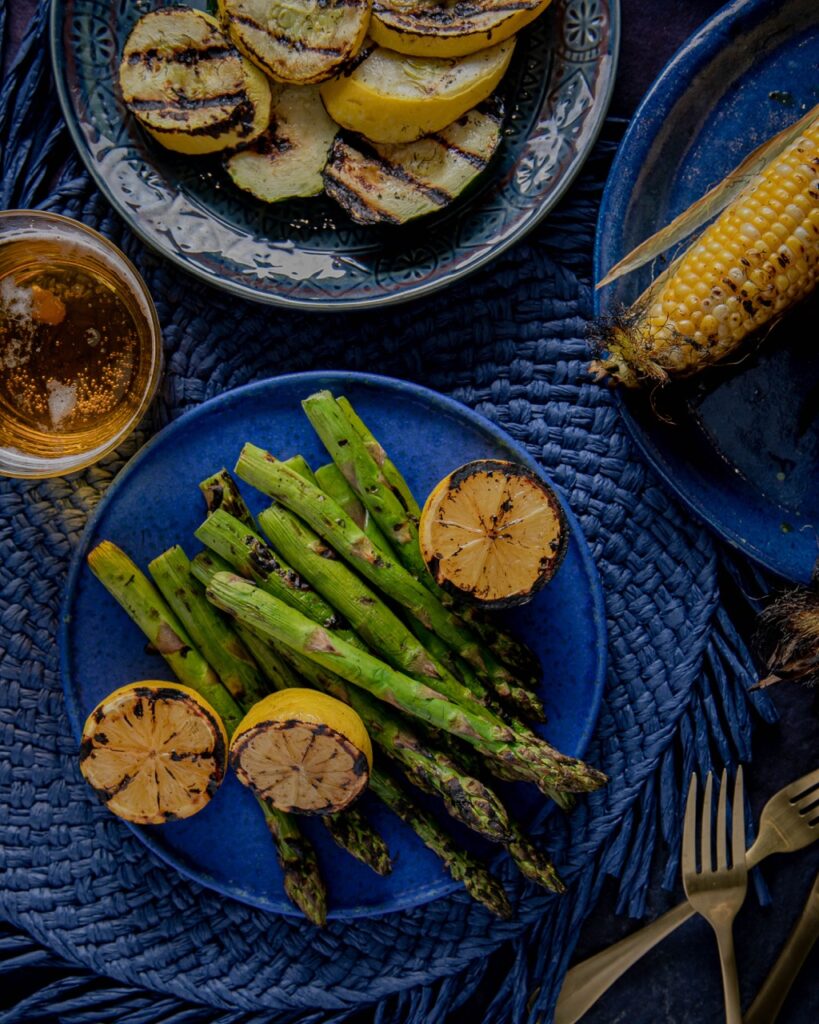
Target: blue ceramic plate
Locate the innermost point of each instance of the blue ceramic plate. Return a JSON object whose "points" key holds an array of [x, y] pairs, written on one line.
{"points": [[743, 448], [155, 502], [308, 253]]}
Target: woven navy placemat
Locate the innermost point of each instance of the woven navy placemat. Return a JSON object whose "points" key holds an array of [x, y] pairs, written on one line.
{"points": [[509, 343]]}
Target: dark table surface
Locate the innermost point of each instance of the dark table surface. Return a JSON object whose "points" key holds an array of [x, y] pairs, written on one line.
{"points": [[679, 981]]}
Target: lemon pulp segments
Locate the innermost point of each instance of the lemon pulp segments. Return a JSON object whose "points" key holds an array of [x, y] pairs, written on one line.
{"points": [[154, 752], [493, 532], [302, 751]]}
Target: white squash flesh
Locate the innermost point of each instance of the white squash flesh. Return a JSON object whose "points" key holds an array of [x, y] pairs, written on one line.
{"points": [[390, 97], [288, 159], [297, 41], [395, 183], [189, 86]]}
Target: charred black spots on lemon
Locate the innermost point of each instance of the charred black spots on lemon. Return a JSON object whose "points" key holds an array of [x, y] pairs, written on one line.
{"points": [[493, 533]]}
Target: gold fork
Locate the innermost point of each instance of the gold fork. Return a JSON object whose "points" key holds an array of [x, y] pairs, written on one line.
{"points": [[783, 828], [717, 891]]}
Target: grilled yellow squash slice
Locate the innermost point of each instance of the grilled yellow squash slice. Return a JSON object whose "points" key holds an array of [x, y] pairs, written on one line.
{"points": [[389, 97], [288, 159], [297, 41], [392, 184], [189, 86], [449, 29]]}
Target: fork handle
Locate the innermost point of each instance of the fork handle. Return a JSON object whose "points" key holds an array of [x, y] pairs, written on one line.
{"points": [[728, 961], [586, 982], [772, 995]]}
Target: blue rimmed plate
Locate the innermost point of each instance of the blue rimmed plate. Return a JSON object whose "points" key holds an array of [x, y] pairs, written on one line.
{"points": [[308, 253], [155, 502], [739, 445]]}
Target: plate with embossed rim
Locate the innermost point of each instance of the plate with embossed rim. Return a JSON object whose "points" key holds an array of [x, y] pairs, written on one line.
{"points": [[739, 443], [226, 846], [307, 253]]}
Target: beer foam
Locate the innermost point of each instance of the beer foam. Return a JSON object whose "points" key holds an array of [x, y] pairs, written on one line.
{"points": [[16, 305], [62, 400], [15, 301]]}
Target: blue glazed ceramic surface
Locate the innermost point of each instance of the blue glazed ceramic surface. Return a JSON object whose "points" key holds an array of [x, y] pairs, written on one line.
{"points": [[155, 502], [743, 448], [308, 253]]}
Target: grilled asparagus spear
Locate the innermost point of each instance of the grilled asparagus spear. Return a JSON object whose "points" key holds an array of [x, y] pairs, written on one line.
{"points": [[349, 828], [512, 652], [463, 867], [135, 593], [222, 649], [275, 620]]}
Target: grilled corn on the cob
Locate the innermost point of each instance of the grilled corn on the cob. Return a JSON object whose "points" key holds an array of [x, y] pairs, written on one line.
{"points": [[759, 257]]}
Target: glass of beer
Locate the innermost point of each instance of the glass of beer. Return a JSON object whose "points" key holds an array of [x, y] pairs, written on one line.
{"points": [[80, 345]]}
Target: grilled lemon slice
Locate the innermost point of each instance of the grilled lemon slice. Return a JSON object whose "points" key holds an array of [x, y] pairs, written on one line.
{"points": [[154, 752], [297, 41], [300, 750], [189, 86], [392, 183], [492, 532], [389, 97], [288, 159], [447, 29]]}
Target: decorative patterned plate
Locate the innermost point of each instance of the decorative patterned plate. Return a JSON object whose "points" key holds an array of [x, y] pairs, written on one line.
{"points": [[740, 444], [308, 253], [155, 502]]}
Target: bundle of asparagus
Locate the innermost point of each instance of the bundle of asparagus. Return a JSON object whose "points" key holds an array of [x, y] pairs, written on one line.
{"points": [[337, 597]]}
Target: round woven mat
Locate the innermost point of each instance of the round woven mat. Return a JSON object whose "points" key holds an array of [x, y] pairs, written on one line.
{"points": [[508, 343]]}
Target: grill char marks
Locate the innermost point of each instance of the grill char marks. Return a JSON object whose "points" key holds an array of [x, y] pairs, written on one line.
{"points": [[394, 169], [394, 183], [188, 56], [357, 207], [289, 41], [439, 28], [184, 103], [189, 85], [300, 50]]}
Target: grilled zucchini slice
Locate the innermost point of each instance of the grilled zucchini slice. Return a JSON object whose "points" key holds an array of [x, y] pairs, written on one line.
{"points": [[189, 86], [288, 159], [445, 29], [389, 97], [392, 184], [297, 41]]}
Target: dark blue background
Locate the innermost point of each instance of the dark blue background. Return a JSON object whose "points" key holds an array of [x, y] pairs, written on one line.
{"points": [[679, 982]]}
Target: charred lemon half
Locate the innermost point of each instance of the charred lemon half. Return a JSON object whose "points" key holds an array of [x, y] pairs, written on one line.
{"points": [[443, 28], [493, 533], [300, 750], [154, 752]]}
